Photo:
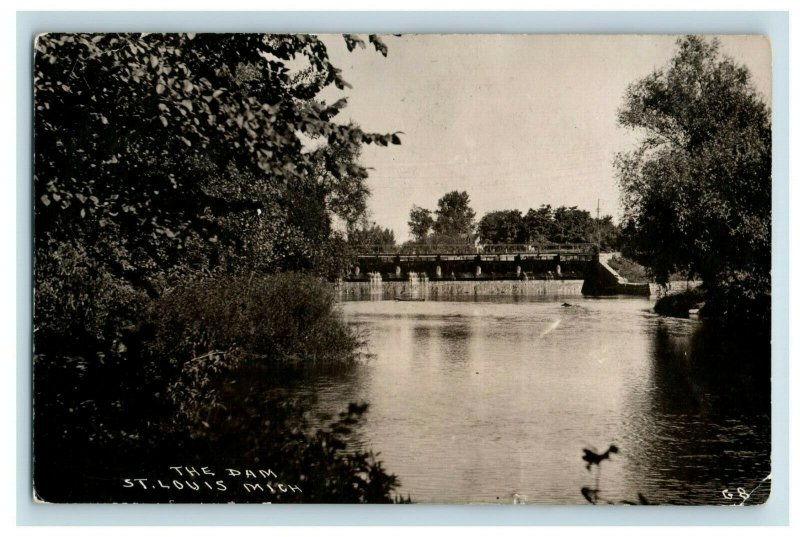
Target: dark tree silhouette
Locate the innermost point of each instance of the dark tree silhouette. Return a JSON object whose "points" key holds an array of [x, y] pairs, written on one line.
{"points": [[697, 191]]}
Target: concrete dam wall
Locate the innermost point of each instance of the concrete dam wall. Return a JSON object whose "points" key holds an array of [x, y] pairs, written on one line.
{"points": [[601, 279], [444, 289]]}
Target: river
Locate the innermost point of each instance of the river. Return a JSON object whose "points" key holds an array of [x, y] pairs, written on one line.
{"points": [[494, 400]]}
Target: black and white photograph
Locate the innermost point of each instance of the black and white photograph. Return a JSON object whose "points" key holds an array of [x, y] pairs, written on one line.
{"points": [[402, 268]]}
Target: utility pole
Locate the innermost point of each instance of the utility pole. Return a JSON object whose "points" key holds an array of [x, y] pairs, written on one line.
{"points": [[597, 226]]}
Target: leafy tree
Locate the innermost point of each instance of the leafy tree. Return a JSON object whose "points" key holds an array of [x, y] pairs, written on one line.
{"points": [[372, 234], [159, 156], [605, 234], [538, 224], [420, 222], [571, 224], [697, 190], [501, 227], [454, 217], [154, 151]]}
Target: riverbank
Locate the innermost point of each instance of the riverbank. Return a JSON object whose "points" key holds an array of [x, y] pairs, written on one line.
{"points": [[196, 376], [681, 304], [675, 288], [720, 306], [636, 273]]}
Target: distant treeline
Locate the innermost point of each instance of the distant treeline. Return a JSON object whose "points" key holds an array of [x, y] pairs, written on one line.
{"points": [[545, 224], [454, 222]]}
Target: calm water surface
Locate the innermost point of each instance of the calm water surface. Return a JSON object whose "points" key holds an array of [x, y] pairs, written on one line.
{"points": [[492, 400]]}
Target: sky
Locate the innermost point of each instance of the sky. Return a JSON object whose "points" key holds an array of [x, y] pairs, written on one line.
{"points": [[515, 120]]}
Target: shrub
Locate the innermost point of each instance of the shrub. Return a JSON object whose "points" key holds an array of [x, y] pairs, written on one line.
{"points": [[735, 301], [679, 304], [80, 308], [197, 380], [729, 303], [279, 317]]}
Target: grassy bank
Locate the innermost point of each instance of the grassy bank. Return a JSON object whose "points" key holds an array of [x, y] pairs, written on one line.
{"points": [[636, 273], [628, 269]]}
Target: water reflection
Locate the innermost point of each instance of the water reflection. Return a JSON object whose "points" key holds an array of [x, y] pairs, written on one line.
{"points": [[705, 425], [492, 400]]}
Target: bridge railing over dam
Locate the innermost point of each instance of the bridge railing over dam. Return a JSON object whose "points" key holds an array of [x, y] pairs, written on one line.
{"points": [[473, 249], [473, 262]]}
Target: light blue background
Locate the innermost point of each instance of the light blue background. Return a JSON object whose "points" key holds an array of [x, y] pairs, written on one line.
{"points": [[773, 24]]}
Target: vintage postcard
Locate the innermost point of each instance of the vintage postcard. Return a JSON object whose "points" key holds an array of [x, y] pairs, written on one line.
{"points": [[402, 268]]}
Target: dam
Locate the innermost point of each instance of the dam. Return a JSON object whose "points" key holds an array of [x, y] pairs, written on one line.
{"points": [[492, 269]]}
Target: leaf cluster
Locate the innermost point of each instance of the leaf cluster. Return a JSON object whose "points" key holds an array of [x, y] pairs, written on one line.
{"points": [[160, 150]]}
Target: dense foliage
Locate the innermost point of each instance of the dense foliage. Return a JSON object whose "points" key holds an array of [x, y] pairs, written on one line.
{"points": [[371, 234], [454, 221], [285, 316], [697, 191], [454, 216], [543, 225], [501, 227], [420, 222], [172, 171], [164, 153], [205, 380]]}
